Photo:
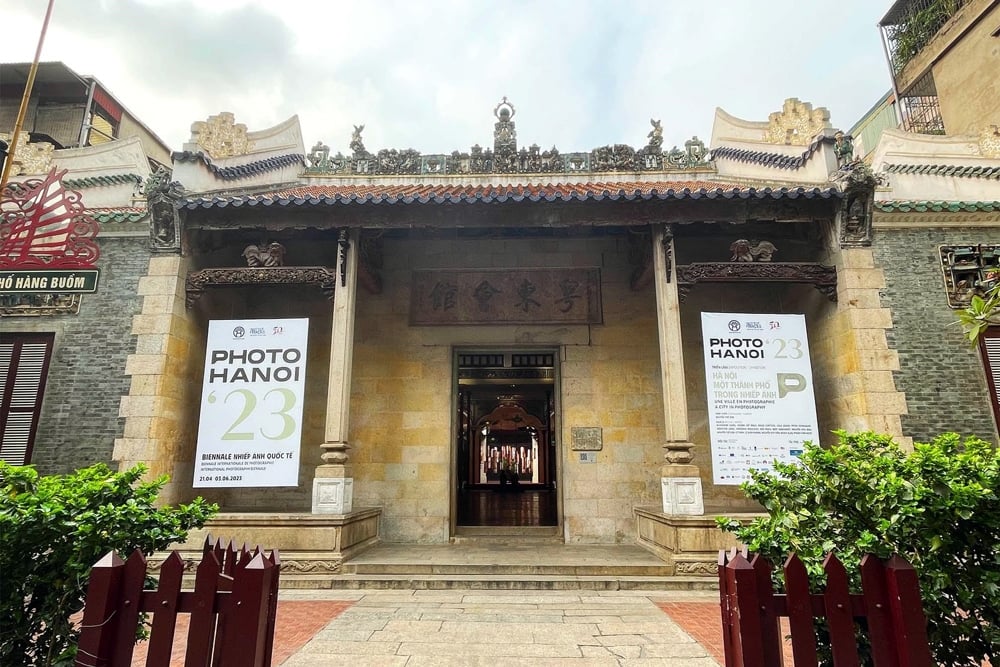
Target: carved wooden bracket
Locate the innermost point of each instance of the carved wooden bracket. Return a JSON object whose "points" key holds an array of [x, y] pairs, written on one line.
{"points": [[823, 278], [198, 281]]}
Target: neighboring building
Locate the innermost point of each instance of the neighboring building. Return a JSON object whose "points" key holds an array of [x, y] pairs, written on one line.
{"points": [[62, 356], [944, 56], [937, 210], [69, 110]]}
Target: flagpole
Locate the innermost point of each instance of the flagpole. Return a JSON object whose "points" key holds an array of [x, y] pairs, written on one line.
{"points": [[24, 101]]}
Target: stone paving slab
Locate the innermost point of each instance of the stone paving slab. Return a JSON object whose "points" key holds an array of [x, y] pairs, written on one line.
{"points": [[511, 628]]}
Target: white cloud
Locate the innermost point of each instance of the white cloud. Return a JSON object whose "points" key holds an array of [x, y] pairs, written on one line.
{"points": [[427, 74]]}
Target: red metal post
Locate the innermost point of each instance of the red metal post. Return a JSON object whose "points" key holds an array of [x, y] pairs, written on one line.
{"points": [[770, 629], [272, 608], [800, 613], [727, 612], [201, 632], [877, 610], [97, 635], [742, 581], [908, 618], [839, 615], [246, 620], [161, 638]]}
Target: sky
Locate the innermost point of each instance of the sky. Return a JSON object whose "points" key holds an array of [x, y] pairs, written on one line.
{"points": [[427, 74]]}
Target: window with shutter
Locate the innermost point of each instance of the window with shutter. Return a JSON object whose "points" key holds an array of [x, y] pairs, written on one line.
{"points": [[24, 365], [989, 344]]}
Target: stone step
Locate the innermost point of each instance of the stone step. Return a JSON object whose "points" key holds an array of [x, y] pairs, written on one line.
{"points": [[500, 582], [486, 569]]}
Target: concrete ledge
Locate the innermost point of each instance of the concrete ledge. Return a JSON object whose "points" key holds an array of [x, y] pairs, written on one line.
{"points": [[690, 544]]}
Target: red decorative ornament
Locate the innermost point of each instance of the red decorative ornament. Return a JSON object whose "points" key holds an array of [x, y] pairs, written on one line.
{"points": [[42, 224]]}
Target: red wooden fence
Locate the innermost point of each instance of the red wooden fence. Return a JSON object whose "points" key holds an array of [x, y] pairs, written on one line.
{"points": [[890, 603], [232, 607]]}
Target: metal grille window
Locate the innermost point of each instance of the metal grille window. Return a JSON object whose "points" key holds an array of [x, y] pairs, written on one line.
{"points": [[920, 107], [24, 365]]}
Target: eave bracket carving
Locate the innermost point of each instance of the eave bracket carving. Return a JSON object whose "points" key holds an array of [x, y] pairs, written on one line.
{"points": [[823, 278], [198, 281]]}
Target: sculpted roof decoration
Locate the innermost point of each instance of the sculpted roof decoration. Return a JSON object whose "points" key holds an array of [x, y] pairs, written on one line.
{"points": [[776, 160], [30, 159], [905, 206], [506, 158], [243, 170], [797, 123], [221, 136], [959, 171], [329, 195], [989, 141]]}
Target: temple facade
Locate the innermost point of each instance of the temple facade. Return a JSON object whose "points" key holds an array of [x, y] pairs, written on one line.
{"points": [[509, 340]]}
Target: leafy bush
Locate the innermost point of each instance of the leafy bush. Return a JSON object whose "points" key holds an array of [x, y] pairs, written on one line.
{"points": [[937, 506], [52, 530]]}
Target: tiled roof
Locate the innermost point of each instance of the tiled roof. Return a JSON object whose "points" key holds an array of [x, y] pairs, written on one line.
{"points": [[776, 160], [117, 214], [905, 206], [978, 171], [243, 170], [96, 181], [316, 195]]}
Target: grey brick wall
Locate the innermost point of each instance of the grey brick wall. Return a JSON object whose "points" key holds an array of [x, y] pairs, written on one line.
{"points": [[942, 375], [86, 380]]}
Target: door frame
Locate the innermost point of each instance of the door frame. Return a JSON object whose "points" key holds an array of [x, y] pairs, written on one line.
{"points": [[555, 428]]}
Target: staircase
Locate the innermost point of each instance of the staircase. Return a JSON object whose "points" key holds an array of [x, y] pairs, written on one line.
{"points": [[510, 559]]}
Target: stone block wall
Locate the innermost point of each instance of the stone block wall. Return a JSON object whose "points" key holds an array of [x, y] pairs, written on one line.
{"points": [[79, 420], [942, 376], [157, 409], [401, 427]]}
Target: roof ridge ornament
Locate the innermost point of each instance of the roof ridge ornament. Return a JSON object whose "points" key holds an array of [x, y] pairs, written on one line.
{"points": [[506, 158], [796, 124], [221, 136], [30, 159], [989, 141]]}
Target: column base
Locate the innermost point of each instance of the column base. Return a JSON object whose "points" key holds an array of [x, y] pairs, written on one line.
{"points": [[332, 495], [682, 492]]}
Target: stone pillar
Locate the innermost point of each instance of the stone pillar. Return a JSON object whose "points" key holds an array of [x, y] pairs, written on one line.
{"points": [[333, 485], [681, 481], [165, 385]]}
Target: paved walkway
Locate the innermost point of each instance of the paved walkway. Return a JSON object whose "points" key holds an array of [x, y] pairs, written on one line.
{"points": [[415, 628]]}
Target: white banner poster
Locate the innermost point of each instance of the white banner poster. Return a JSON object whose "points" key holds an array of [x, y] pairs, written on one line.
{"points": [[251, 403], [760, 392]]}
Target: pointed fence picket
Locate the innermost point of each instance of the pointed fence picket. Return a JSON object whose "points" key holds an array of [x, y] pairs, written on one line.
{"points": [[889, 603], [232, 609]]}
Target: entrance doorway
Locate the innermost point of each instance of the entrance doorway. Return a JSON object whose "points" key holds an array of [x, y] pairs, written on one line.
{"points": [[505, 449]]}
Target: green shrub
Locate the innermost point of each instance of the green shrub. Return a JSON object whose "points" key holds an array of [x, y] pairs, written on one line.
{"points": [[52, 530], [937, 506]]}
